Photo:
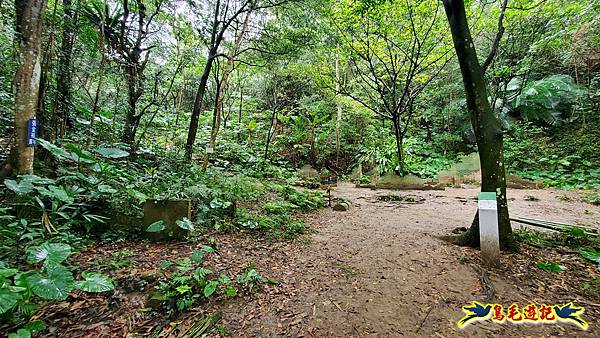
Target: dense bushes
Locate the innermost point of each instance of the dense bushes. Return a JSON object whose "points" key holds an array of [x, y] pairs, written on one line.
{"points": [[532, 154], [48, 216]]}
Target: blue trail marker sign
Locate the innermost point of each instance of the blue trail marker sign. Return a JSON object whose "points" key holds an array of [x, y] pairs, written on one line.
{"points": [[32, 132], [328, 182]]}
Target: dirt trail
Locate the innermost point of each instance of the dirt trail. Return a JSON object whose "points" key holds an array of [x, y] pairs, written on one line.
{"points": [[379, 269]]}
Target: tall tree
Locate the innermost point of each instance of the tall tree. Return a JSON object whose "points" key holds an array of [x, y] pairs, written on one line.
{"points": [[222, 18], [29, 25], [485, 123], [228, 69], [63, 81], [224, 14], [127, 34], [393, 59], [47, 52]]}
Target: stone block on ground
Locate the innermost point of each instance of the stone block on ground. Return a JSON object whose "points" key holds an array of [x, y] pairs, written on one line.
{"points": [[467, 171], [516, 182], [169, 211], [341, 206], [306, 172], [356, 174], [449, 178], [408, 182]]}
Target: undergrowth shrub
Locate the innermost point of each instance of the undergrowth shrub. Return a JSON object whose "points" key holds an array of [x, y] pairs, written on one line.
{"points": [[532, 154]]}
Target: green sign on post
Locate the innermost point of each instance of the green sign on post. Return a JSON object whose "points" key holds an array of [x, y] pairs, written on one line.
{"points": [[487, 196]]}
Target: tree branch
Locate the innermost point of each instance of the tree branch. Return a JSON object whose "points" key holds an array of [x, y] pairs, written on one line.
{"points": [[490, 58]]}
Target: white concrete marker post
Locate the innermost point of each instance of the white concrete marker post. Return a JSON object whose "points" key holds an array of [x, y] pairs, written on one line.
{"points": [[489, 236]]}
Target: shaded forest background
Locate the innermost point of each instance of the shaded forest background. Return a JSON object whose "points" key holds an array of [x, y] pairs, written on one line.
{"points": [[294, 84]]}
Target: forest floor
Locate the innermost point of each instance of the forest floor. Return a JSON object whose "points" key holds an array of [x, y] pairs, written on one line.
{"points": [[378, 269]]}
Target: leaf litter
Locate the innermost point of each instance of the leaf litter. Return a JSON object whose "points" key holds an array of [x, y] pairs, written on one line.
{"points": [[370, 271]]}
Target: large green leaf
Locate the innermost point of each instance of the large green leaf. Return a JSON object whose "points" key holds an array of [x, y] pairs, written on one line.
{"points": [[230, 291], [165, 264], [547, 99], [21, 333], [8, 299], [57, 284], [82, 155], [207, 249], [592, 255], [156, 226], [550, 266], [210, 288], [50, 253], [197, 256], [104, 188], [23, 187], [35, 326], [60, 193], [6, 272], [112, 152], [185, 224], [37, 180], [94, 282], [54, 150], [140, 196], [20, 279], [201, 273]]}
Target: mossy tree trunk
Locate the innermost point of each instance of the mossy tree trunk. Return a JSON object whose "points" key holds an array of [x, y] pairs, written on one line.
{"points": [[27, 79], [486, 124]]}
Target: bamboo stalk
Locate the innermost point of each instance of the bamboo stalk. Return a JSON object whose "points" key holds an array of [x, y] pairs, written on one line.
{"points": [[553, 226], [559, 224]]}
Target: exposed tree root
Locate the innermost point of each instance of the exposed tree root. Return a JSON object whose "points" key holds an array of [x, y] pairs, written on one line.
{"points": [[470, 238], [486, 284]]}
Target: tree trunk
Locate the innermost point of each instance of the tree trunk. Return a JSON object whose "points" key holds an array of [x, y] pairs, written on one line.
{"points": [[240, 109], [63, 81], [339, 109], [485, 124], [45, 131], [198, 100], [273, 126], [134, 91], [270, 133], [27, 78], [132, 123], [216, 122], [399, 144], [179, 99], [223, 84], [95, 104], [312, 140]]}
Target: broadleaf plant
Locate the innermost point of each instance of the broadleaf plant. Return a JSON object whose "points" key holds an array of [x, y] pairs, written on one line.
{"points": [[55, 285], [94, 282], [185, 224], [49, 253], [157, 226]]}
